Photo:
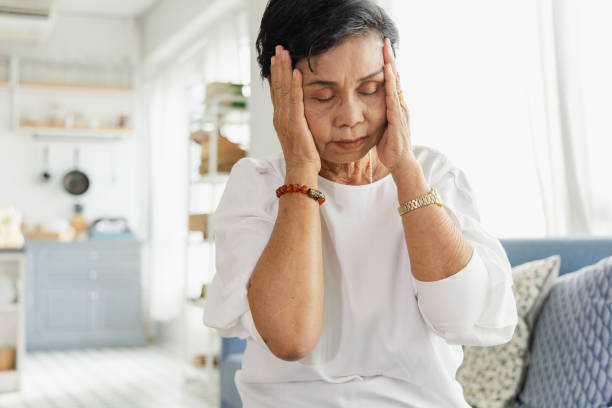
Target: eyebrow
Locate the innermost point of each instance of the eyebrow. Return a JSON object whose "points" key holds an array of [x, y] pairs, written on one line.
{"points": [[331, 83]]}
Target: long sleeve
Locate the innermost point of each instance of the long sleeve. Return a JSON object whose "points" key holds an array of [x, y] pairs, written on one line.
{"points": [[242, 225], [476, 305]]}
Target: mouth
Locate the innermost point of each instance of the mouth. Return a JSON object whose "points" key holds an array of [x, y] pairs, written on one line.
{"points": [[350, 144]]}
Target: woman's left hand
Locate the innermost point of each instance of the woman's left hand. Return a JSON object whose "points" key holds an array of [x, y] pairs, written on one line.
{"points": [[394, 147]]}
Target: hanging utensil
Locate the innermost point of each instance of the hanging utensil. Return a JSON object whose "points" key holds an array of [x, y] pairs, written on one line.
{"points": [[46, 174], [75, 181]]}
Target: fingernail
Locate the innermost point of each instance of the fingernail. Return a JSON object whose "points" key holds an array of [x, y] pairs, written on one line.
{"points": [[277, 49], [273, 60], [295, 73]]}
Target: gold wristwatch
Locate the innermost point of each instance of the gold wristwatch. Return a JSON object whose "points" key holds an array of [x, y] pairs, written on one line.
{"points": [[426, 199]]}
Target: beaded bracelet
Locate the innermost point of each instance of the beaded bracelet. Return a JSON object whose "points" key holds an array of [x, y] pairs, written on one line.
{"points": [[296, 188]]}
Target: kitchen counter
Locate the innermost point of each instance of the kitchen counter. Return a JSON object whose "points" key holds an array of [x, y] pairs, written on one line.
{"points": [[11, 250], [83, 294]]}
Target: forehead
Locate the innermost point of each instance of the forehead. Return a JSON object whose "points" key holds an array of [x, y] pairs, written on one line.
{"points": [[355, 57]]}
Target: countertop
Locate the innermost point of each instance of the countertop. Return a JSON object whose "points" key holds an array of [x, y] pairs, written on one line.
{"points": [[11, 250]]}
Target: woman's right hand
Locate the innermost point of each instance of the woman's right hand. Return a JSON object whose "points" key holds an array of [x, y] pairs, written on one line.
{"points": [[290, 123]]}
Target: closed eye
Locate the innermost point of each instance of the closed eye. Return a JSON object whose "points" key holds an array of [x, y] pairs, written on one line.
{"points": [[369, 93], [325, 100], [370, 89]]}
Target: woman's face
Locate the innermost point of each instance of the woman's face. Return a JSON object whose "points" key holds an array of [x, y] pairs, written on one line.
{"points": [[344, 98]]}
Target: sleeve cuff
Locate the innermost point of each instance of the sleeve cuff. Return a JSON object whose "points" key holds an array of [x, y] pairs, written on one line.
{"points": [[455, 303]]}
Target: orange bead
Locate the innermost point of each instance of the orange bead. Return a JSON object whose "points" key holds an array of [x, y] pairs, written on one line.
{"points": [[303, 189]]}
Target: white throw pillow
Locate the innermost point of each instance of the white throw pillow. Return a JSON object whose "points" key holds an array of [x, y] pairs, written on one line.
{"points": [[492, 377]]}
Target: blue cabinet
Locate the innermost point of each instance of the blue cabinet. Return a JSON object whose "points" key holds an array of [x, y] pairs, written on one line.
{"points": [[83, 294]]}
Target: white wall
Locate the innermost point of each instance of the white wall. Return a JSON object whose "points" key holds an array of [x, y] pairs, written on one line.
{"points": [[263, 137], [166, 19], [171, 32], [84, 39], [463, 67]]}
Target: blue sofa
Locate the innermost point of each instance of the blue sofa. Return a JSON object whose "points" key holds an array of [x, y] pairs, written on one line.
{"points": [[575, 253]]}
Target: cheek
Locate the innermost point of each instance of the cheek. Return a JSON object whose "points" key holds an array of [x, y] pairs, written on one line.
{"points": [[377, 112], [318, 120]]}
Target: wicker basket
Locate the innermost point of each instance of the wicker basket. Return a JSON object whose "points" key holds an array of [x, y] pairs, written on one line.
{"points": [[7, 358], [228, 153]]}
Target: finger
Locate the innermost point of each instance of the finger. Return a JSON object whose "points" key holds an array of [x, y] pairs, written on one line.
{"points": [[297, 98], [281, 89], [274, 70], [286, 73], [274, 80], [389, 56], [390, 59], [405, 112], [393, 102]]}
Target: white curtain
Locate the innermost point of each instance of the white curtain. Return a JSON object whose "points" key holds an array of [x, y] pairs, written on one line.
{"points": [[572, 126], [174, 93], [512, 92], [557, 115], [168, 132]]}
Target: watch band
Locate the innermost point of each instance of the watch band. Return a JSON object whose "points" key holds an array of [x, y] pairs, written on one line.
{"points": [[426, 199]]}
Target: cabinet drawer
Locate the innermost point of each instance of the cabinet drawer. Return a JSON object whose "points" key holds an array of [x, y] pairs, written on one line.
{"points": [[107, 274], [90, 276], [84, 294], [64, 310], [64, 257]]}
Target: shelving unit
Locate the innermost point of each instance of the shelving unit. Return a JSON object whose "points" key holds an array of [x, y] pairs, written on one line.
{"points": [[73, 133], [4, 72], [12, 316], [74, 87], [217, 115], [58, 108]]}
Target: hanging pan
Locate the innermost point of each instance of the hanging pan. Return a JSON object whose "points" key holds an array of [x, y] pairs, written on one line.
{"points": [[75, 181]]}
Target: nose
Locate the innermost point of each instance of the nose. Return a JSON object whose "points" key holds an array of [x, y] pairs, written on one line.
{"points": [[350, 112]]}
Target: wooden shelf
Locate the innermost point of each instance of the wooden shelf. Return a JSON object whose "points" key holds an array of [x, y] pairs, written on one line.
{"points": [[218, 178], [74, 87], [11, 307], [195, 302], [75, 129], [9, 380], [200, 242], [70, 133]]}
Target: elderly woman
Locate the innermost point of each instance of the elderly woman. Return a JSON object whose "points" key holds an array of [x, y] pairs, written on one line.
{"points": [[354, 262]]}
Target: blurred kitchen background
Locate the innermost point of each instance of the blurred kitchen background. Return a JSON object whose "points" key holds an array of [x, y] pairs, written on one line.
{"points": [[120, 121]]}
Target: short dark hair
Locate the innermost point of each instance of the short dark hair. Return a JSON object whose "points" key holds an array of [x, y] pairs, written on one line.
{"points": [[310, 27]]}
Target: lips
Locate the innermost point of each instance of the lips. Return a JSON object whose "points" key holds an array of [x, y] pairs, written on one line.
{"points": [[351, 143], [350, 140]]}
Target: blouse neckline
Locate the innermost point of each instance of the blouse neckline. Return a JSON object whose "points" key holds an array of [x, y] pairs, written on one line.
{"points": [[353, 187]]}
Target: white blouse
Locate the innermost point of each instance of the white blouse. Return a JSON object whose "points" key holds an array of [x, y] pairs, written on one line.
{"points": [[388, 340]]}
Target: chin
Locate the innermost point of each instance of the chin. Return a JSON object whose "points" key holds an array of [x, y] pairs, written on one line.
{"points": [[338, 156]]}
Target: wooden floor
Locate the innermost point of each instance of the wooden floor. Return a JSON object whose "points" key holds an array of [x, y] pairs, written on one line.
{"points": [[112, 378]]}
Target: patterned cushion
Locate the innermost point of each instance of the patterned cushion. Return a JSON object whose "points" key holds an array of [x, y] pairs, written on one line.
{"points": [[572, 344], [493, 376]]}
